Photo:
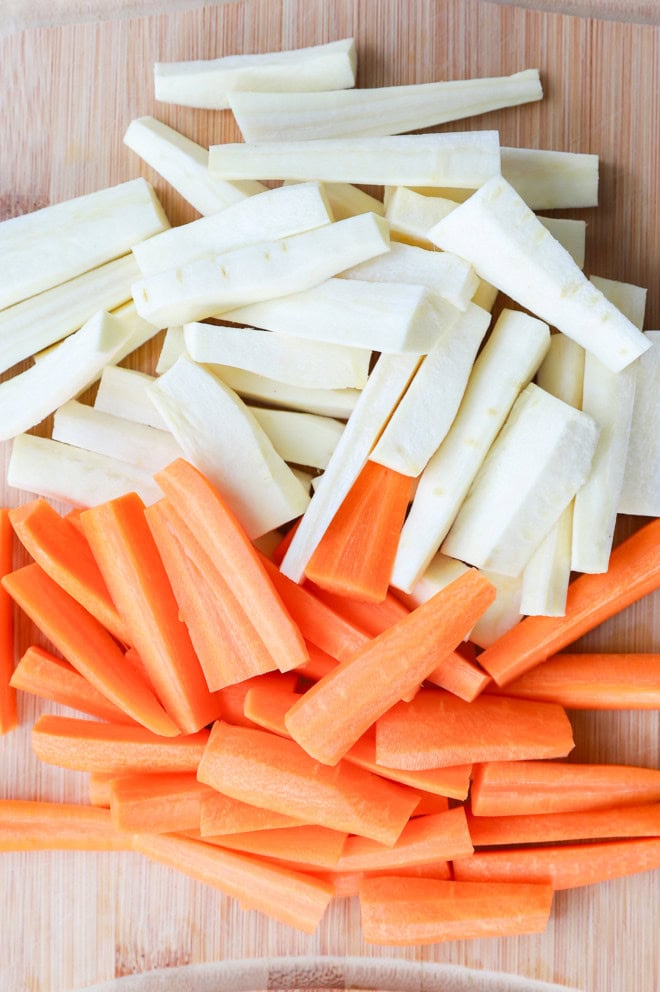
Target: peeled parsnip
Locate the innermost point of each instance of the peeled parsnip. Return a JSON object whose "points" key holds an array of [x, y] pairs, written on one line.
{"points": [[347, 200], [640, 494], [412, 215], [123, 393], [549, 180], [338, 403], [301, 438], [570, 233]]}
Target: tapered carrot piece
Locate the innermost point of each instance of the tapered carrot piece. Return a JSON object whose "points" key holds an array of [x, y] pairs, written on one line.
{"points": [[347, 883], [319, 664], [221, 815], [543, 828], [592, 681], [62, 550], [87, 746], [634, 571], [437, 728], [264, 769], [291, 897], [127, 555], [232, 697], [8, 712], [86, 645], [27, 825], [99, 788], [332, 715], [430, 803], [200, 503], [164, 803], [459, 675], [39, 672], [309, 845], [356, 554], [400, 912], [510, 788], [564, 866], [372, 618]]}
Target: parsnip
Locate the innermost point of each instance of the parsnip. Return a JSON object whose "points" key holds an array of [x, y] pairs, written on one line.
{"points": [[626, 297], [347, 200], [549, 180], [570, 233], [411, 215], [510, 248], [172, 347], [300, 438], [123, 393], [640, 494], [338, 403]]}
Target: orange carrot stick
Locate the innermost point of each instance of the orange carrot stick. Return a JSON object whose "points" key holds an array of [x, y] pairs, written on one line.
{"points": [[221, 815], [264, 769], [634, 571], [332, 715], [347, 883], [232, 698], [86, 645], [99, 788], [372, 618], [320, 847], [510, 788], [291, 897], [8, 712], [430, 803], [163, 803], [319, 664], [87, 746], [27, 825], [400, 912], [543, 828], [127, 555], [459, 675]]}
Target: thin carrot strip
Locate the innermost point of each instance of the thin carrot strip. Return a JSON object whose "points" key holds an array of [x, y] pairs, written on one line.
{"points": [[319, 664], [127, 555], [27, 825], [372, 618], [63, 552], [510, 788], [281, 549], [564, 866], [232, 697], [164, 803], [592, 681], [86, 645], [399, 912], [313, 845], [220, 815], [112, 748], [264, 769], [347, 883], [634, 571], [332, 715], [543, 828], [356, 554], [459, 675], [8, 711], [99, 788], [290, 897]]}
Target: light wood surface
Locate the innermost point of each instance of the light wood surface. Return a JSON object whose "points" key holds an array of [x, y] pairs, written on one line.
{"points": [[66, 97]]}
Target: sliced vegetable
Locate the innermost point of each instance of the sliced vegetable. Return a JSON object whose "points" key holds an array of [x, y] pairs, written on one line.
{"points": [[164, 803], [8, 712], [543, 828], [32, 825], [640, 494]]}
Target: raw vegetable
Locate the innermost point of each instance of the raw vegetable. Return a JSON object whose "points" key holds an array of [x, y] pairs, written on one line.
{"points": [[8, 712], [30, 825], [641, 482], [164, 803], [543, 828]]}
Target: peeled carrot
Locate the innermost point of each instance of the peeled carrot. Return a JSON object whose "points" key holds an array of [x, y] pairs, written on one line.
{"points": [[347, 883], [459, 675], [564, 866], [356, 553], [332, 715], [431, 803], [539, 828], [319, 664], [232, 698], [112, 748], [372, 618], [509, 788], [401, 912], [634, 571], [8, 711], [264, 769], [293, 898], [592, 681], [86, 645], [62, 550], [99, 788], [127, 555], [27, 825], [164, 803], [311, 845], [220, 814]]}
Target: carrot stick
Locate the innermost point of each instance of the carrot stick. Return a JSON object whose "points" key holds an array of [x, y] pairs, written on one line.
{"points": [[431, 803], [634, 571], [356, 554], [281, 549], [437, 729], [127, 555], [372, 618], [264, 769], [86, 645], [99, 788], [232, 698], [42, 674], [290, 897], [163, 803], [62, 550], [317, 846], [332, 715], [112, 748], [8, 711], [540, 828], [221, 815], [347, 883], [27, 825], [401, 912], [459, 675], [592, 681], [319, 664], [564, 866], [510, 788]]}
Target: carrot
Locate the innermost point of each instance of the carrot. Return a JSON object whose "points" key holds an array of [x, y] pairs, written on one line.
{"points": [[564, 866], [422, 911], [510, 788], [87, 746], [332, 715], [290, 897], [356, 554], [42, 674], [8, 711], [627, 821], [232, 698], [319, 664], [264, 769], [437, 728], [164, 803], [431, 803], [283, 546], [315, 846], [63, 552], [372, 618], [86, 645], [459, 675], [209, 517], [99, 788], [634, 571], [592, 681], [32, 825], [220, 814], [347, 883], [127, 555]]}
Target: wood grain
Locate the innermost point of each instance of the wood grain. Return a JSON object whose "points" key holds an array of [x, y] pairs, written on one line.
{"points": [[66, 97]]}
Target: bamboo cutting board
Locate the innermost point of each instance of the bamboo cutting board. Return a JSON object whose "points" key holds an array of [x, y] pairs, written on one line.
{"points": [[66, 97]]}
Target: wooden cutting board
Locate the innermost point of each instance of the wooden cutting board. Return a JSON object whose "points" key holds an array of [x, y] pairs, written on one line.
{"points": [[66, 97]]}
